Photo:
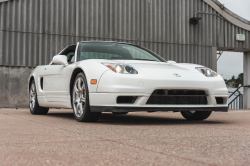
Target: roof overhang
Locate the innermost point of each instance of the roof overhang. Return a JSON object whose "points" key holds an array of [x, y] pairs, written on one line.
{"points": [[229, 15], [232, 13]]}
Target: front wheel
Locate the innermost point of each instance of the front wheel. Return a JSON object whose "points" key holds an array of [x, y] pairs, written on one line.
{"points": [[196, 115], [80, 101], [34, 106]]}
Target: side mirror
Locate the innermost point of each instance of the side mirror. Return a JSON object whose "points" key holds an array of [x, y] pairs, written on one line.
{"points": [[60, 59]]}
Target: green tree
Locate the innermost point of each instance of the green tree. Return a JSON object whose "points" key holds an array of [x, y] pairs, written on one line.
{"points": [[233, 78], [241, 76], [239, 80]]}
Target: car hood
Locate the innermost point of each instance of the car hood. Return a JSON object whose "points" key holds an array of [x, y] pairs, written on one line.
{"points": [[152, 66]]}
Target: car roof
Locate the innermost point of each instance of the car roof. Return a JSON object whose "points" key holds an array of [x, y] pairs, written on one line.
{"points": [[97, 41], [100, 41]]}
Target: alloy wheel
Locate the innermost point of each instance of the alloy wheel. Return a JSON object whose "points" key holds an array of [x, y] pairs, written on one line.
{"points": [[79, 97], [32, 97]]}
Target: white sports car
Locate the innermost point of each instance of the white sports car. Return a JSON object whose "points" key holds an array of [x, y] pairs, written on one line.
{"points": [[94, 77]]}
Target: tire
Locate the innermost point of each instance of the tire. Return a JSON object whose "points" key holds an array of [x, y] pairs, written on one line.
{"points": [[35, 109], [120, 113], [196, 115], [80, 101]]}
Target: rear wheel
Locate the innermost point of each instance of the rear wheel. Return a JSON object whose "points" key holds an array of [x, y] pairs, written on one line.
{"points": [[80, 101], [34, 106], [120, 113], [196, 115]]}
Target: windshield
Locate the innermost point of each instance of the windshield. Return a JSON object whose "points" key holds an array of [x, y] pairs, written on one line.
{"points": [[115, 51]]}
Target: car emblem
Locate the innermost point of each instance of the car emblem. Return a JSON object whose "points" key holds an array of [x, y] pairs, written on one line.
{"points": [[177, 75]]}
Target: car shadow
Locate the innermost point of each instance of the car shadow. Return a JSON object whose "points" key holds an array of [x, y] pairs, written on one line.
{"points": [[132, 119], [149, 120], [69, 116]]}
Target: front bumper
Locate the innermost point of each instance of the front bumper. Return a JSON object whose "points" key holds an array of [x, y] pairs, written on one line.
{"points": [[107, 102], [112, 85]]}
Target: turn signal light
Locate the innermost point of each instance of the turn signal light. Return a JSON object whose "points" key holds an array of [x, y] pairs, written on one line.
{"points": [[111, 67], [94, 82]]}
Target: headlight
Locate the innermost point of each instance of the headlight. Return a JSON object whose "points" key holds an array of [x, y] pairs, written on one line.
{"points": [[121, 68], [207, 72]]}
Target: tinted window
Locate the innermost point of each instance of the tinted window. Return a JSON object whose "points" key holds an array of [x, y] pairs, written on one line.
{"points": [[115, 51], [70, 57]]}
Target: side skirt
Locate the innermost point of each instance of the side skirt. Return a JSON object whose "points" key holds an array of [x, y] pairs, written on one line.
{"points": [[43, 103]]}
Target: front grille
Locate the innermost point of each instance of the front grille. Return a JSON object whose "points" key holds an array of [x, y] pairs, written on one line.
{"points": [[178, 97]]}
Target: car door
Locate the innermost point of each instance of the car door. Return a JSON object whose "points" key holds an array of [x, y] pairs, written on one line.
{"points": [[56, 80], [55, 83]]}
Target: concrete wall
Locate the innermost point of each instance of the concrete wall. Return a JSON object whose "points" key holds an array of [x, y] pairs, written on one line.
{"points": [[247, 80], [13, 87]]}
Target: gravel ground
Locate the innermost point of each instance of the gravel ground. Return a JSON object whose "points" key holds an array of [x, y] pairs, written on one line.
{"points": [[133, 139]]}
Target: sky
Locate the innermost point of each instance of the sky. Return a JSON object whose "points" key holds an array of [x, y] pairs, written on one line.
{"points": [[231, 63]]}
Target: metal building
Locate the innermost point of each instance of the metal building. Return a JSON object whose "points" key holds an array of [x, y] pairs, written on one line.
{"points": [[33, 31]]}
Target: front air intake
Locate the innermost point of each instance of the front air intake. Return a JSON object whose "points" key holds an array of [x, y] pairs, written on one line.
{"points": [[219, 100], [41, 83], [178, 97], [126, 99]]}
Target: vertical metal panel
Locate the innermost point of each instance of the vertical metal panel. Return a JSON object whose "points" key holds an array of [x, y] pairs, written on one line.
{"points": [[29, 49], [247, 43], [191, 28], [43, 16], [213, 28], [32, 31]]}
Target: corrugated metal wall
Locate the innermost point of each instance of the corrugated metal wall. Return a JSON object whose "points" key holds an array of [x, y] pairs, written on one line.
{"points": [[33, 31]]}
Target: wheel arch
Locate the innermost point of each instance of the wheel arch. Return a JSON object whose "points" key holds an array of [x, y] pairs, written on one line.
{"points": [[72, 79], [31, 79]]}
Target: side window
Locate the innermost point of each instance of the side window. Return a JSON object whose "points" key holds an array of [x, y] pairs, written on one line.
{"points": [[71, 57], [69, 51]]}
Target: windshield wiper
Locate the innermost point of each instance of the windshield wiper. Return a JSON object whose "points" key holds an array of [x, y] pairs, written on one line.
{"points": [[145, 60]]}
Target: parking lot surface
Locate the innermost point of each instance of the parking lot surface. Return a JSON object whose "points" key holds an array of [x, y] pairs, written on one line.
{"points": [[133, 139]]}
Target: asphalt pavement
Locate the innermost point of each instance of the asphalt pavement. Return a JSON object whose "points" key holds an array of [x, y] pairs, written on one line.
{"points": [[133, 139]]}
